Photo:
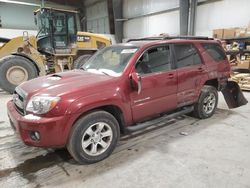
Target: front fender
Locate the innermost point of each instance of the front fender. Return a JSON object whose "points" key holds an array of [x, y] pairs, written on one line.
{"points": [[99, 100]]}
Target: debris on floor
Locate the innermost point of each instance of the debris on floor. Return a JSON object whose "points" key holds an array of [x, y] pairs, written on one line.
{"points": [[184, 133]]}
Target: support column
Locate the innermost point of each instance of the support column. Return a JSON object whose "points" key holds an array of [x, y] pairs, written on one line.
{"points": [[111, 15], [184, 15], [193, 10], [117, 8]]}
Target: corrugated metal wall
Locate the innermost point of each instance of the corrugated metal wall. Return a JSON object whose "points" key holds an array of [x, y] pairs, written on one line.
{"points": [[16, 16], [219, 14], [222, 14], [150, 25], [133, 8], [97, 16]]}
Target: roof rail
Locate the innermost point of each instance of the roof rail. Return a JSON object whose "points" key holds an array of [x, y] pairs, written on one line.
{"points": [[171, 37]]}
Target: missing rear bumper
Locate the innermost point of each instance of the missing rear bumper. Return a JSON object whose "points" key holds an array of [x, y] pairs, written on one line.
{"points": [[233, 95]]}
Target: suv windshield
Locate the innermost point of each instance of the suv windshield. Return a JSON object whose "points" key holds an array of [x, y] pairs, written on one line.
{"points": [[111, 60]]}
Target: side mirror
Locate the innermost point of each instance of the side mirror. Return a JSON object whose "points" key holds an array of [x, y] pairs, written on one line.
{"points": [[136, 81]]}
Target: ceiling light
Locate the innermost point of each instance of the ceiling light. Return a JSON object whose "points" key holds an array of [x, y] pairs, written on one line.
{"points": [[19, 3]]}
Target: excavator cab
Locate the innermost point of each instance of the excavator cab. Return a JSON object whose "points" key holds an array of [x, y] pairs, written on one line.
{"points": [[57, 29]]}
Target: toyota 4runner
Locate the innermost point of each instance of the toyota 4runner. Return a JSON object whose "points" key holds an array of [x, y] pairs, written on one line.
{"points": [[122, 88]]}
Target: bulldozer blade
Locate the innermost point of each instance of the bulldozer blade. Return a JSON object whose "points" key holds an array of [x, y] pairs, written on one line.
{"points": [[233, 95]]}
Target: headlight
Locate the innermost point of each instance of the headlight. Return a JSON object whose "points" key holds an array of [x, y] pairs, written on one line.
{"points": [[41, 104]]}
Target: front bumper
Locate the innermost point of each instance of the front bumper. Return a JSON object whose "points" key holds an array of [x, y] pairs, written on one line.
{"points": [[53, 131]]}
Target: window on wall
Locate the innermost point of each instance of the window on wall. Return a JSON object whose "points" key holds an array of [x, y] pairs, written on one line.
{"points": [[186, 55], [215, 51], [97, 17], [155, 59]]}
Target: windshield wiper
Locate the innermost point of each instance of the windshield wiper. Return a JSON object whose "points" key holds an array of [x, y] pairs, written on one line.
{"points": [[96, 70], [82, 68], [104, 72]]}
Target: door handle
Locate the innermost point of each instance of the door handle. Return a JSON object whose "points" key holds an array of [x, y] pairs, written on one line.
{"points": [[200, 69], [170, 76]]}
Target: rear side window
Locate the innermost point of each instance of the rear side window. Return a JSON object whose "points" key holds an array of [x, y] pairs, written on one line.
{"points": [[186, 55], [215, 51]]}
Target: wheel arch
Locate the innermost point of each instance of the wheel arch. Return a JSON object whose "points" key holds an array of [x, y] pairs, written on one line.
{"points": [[213, 82], [114, 110]]}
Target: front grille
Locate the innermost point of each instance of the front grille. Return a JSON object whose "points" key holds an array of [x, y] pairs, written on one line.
{"points": [[18, 99]]}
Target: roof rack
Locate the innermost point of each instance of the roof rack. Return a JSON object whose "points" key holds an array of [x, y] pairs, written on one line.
{"points": [[171, 37]]}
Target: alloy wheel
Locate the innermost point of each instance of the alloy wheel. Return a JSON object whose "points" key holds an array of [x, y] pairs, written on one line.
{"points": [[209, 103], [97, 138]]}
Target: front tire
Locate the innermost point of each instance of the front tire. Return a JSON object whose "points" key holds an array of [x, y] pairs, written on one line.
{"points": [[207, 103], [15, 70], [93, 137]]}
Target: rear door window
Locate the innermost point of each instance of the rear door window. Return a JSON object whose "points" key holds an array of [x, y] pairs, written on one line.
{"points": [[215, 51], [186, 55]]}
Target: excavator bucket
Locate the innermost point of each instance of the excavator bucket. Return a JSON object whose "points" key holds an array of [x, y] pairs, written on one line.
{"points": [[233, 95]]}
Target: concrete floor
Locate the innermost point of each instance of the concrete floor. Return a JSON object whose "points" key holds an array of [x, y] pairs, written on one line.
{"points": [[185, 152]]}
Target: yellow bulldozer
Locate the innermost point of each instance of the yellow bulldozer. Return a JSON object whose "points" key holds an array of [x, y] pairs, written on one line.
{"points": [[58, 46]]}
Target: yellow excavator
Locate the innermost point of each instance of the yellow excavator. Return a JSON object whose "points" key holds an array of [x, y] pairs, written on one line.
{"points": [[58, 46]]}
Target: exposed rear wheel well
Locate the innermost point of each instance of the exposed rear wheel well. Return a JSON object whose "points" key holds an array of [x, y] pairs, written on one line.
{"points": [[213, 82]]}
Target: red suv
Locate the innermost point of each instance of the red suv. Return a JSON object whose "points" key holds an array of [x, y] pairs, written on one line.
{"points": [[122, 88]]}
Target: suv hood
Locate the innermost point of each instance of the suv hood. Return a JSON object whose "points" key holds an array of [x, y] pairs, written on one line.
{"points": [[66, 82]]}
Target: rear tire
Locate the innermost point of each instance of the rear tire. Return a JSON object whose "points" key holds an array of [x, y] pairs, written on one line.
{"points": [[15, 70], [93, 137], [81, 60], [207, 103]]}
